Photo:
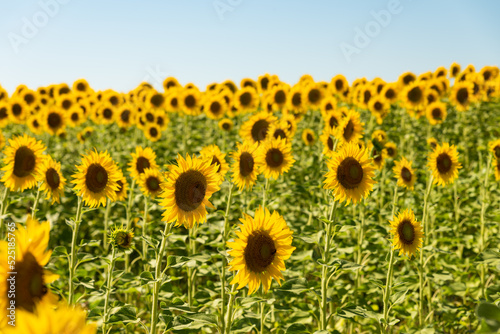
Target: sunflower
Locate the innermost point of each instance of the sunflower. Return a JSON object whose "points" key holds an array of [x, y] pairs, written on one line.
{"points": [[379, 108], [332, 119], [142, 158], [496, 166], [339, 84], [4, 95], [327, 138], [18, 110], [22, 163], [406, 79], [46, 319], [34, 125], [259, 253], [495, 148], [162, 119], [461, 95], [443, 162], [454, 70], [308, 137], [52, 180], [256, 128], [246, 99], [173, 102], [350, 174], [4, 114], [274, 157], [96, 179], [312, 95], [378, 155], [155, 100], [151, 182], [65, 102], [152, 132], [125, 116], [31, 279], [170, 83], [380, 136], [226, 124], [75, 116], [432, 142], [190, 101], [244, 167], [404, 173], [215, 107], [436, 113], [2, 140], [121, 192], [280, 129], [407, 233], [187, 189], [295, 99], [413, 95], [291, 123], [390, 92], [85, 134], [81, 87], [107, 113], [213, 154], [391, 150], [328, 104], [53, 120], [279, 95], [350, 130]]}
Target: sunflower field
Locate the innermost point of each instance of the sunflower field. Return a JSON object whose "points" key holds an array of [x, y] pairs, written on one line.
{"points": [[263, 207]]}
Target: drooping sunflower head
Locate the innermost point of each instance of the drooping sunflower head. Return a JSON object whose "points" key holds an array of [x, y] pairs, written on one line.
{"points": [[263, 244], [308, 137], [226, 124], [256, 128], [187, 189], [244, 167], [436, 112], [22, 162], [443, 162], [407, 233], [213, 154], [350, 130], [404, 173], [121, 192], [495, 148], [274, 157], [31, 278], [380, 136], [97, 178], [350, 174], [142, 158], [52, 180], [121, 238]]}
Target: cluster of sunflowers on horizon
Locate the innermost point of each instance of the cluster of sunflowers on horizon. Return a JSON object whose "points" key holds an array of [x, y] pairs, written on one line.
{"points": [[264, 241]]}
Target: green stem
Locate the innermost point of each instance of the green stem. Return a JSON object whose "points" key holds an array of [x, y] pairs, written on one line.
{"points": [[223, 271], [229, 315], [106, 223], [144, 228], [482, 235], [421, 267], [158, 279], [109, 287], [3, 209], [264, 195], [72, 265], [388, 285], [129, 204], [324, 268], [191, 272], [37, 199], [262, 310]]}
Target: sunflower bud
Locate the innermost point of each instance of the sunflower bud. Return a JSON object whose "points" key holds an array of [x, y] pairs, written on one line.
{"points": [[122, 238]]}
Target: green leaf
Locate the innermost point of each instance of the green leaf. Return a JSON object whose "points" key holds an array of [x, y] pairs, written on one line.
{"points": [[203, 317], [296, 329], [122, 314], [490, 314], [60, 250], [350, 311]]}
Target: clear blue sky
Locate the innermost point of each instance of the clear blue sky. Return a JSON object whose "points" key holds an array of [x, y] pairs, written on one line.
{"points": [[118, 43]]}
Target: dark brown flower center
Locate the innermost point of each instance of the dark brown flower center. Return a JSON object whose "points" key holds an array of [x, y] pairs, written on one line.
{"points": [[216, 161], [190, 101], [274, 158], [245, 99], [496, 151], [29, 98], [348, 130], [114, 100], [330, 143], [264, 82], [67, 104], [246, 164], [150, 117], [153, 132], [81, 87], [333, 122], [339, 85], [408, 79], [96, 178], [3, 113], [314, 95], [226, 126], [141, 164], [309, 138], [24, 162], [259, 130], [296, 99], [390, 94], [53, 179], [107, 113], [443, 163], [280, 97], [120, 186], [259, 252], [29, 284], [350, 173], [279, 133], [74, 116], [215, 108], [16, 109], [406, 232], [415, 95], [125, 115], [406, 174], [153, 184], [190, 189], [462, 95], [436, 114], [157, 100], [54, 120]]}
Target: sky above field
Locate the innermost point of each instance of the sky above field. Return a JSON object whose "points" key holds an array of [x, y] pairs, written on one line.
{"points": [[120, 43]]}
